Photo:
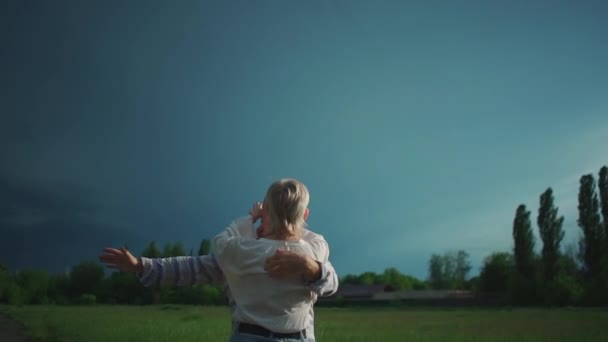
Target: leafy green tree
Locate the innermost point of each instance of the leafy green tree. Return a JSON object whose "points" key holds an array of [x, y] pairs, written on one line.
{"points": [[16, 295], [125, 289], [523, 238], [85, 278], [59, 289], [151, 251], [178, 250], [5, 284], [551, 233], [167, 250], [589, 222], [87, 299], [495, 272], [436, 274], [449, 271], [603, 190], [390, 276], [566, 288], [351, 279], [418, 284], [367, 278], [399, 281], [463, 267], [35, 285], [569, 288], [205, 247], [473, 284], [449, 268]]}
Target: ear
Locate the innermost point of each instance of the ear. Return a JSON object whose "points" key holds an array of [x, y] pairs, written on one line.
{"points": [[306, 213]]}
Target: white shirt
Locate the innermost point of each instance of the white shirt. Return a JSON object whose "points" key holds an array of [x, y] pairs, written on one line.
{"points": [[277, 305]]}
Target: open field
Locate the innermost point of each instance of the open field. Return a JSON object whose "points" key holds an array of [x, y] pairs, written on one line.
{"points": [[191, 323]]}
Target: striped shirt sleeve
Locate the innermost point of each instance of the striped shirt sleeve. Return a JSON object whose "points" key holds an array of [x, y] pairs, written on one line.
{"points": [[327, 285], [180, 271]]}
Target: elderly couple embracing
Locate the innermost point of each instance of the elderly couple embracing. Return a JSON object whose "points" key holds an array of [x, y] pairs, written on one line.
{"points": [[274, 274]]}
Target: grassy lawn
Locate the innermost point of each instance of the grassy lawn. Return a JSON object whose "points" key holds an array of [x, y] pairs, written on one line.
{"points": [[190, 323]]}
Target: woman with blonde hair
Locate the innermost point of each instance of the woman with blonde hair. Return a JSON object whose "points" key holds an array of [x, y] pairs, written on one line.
{"points": [[268, 309]]}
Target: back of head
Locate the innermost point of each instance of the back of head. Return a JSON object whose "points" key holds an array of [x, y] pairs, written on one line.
{"points": [[287, 201]]}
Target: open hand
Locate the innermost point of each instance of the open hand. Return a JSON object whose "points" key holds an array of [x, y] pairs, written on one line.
{"points": [[256, 211], [288, 264], [120, 259]]}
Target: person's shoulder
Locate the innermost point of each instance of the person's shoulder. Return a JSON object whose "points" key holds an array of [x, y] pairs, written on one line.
{"points": [[253, 247], [254, 243], [309, 236], [317, 242]]}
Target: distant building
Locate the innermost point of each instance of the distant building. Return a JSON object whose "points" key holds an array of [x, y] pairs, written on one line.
{"points": [[424, 295], [387, 293], [354, 292]]}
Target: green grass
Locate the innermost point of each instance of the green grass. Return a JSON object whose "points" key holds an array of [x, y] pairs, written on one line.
{"points": [[190, 323]]}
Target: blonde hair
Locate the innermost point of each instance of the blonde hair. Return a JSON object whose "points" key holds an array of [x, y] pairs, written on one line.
{"points": [[287, 200]]}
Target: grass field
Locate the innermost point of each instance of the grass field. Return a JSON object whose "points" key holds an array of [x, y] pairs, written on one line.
{"points": [[190, 323]]}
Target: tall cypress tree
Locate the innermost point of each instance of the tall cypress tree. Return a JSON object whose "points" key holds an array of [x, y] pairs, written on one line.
{"points": [[589, 221], [550, 227], [523, 238], [603, 189]]}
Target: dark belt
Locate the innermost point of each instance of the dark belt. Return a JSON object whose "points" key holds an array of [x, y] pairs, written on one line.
{"points": [[245, 328]]}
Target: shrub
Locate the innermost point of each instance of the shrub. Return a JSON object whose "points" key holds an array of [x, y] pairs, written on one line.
{"points": [[87, 299]]}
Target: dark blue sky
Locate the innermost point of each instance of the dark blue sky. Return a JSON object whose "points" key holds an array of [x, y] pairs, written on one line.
{"points": [[418, 126]]}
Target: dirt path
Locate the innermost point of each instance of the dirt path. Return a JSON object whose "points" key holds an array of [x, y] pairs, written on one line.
{"points": [[11, 331]]}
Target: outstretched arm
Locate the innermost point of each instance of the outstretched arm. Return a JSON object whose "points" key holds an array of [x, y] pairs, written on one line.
{"points": [[176, 271], [181, 271]]}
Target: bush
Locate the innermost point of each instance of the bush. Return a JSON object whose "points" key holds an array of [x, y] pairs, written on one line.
{"points": [[340, 301], [495, 272], [5, 283], [569, 289], [61, 300], [85, 278], [87, 299], [521, 290], [595, 293], [16, 295], [565, 290], [35, 286]]}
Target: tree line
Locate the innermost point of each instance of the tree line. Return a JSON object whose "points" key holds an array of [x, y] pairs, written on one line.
{"points": [[558, 275], [87, 283], [447, 272]]}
